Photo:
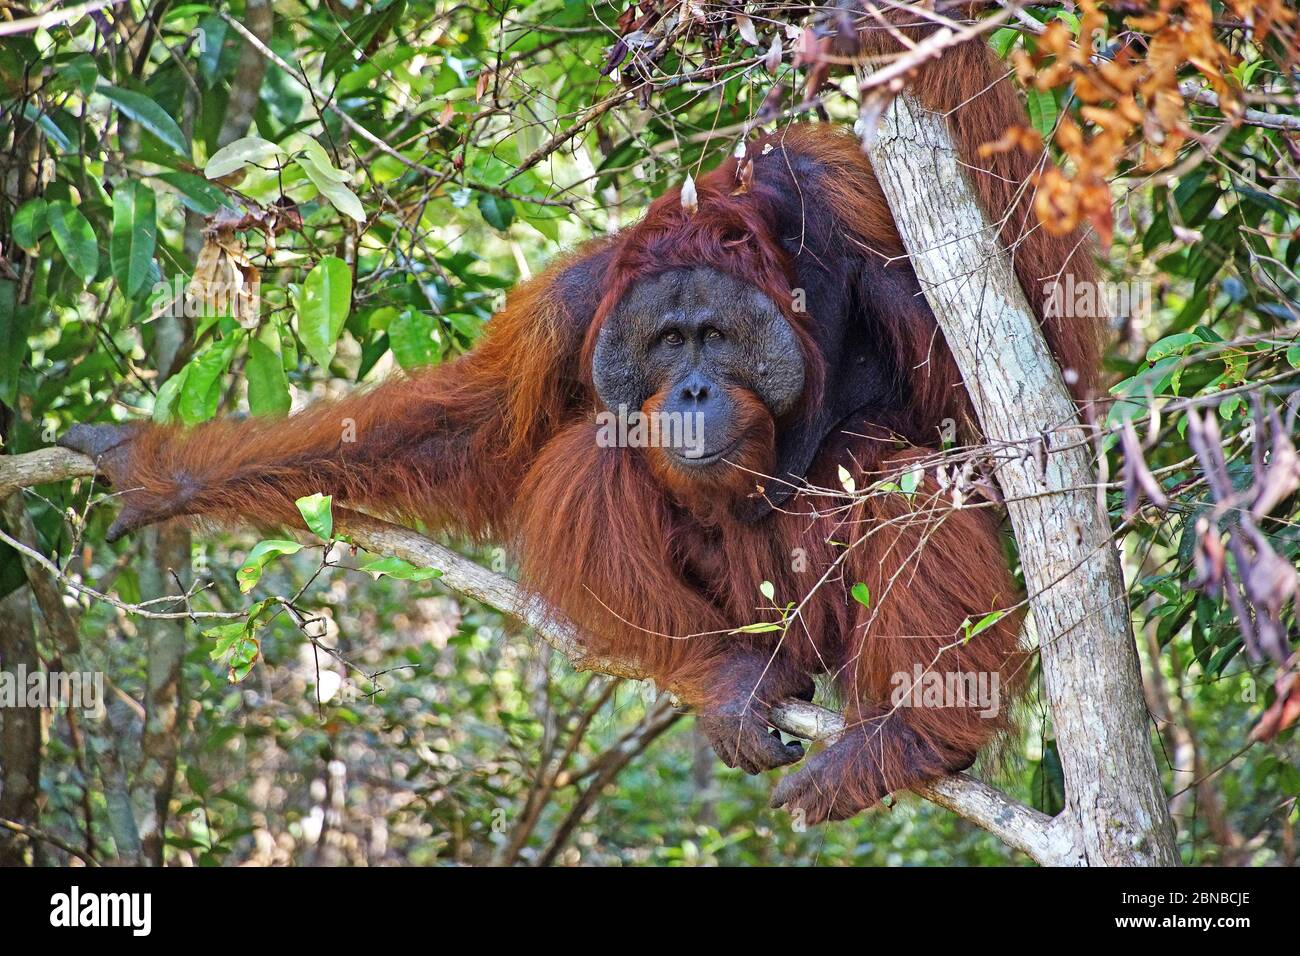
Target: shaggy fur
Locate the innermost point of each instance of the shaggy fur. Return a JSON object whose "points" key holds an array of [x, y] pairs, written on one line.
{"points": [[657, 565]]}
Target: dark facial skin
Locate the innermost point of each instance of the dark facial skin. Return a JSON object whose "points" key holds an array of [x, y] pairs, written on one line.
{"points": [[690, 339]]}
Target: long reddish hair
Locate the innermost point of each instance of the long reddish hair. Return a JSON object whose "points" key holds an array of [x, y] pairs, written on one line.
{"points": [[501, 444]]}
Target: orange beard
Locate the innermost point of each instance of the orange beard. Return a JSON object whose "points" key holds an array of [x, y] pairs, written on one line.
{"points": [[706, 491]]}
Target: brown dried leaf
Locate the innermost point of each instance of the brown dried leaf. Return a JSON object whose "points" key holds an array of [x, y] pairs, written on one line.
{"points": [[772, 62], [1138, 480], [1210, 557], [1282, 477], [745, 27], [1016, 137], [1285, 709]]}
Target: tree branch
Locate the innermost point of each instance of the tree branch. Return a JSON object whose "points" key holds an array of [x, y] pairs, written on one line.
{"points": [[1014, 824], [1193, 91]]}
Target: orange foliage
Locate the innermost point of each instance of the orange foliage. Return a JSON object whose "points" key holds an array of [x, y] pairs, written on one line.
{"points": [[1131, 101]]}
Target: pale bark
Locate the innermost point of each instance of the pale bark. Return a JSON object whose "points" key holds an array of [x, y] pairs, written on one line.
{"points": [[1114, 800]]}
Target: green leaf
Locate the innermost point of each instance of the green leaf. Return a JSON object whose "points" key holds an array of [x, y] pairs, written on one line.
{"points": [[263, 554], [268, 388], [468, 326], [135, 233], [1172, 345], [196, 194], [29, 224], [225, 635], [164, 403], [1223, 656], [149, 115], [862, 594], [340, 197], [382, 317], [413, 337], [1002, 40], [323, 307], [398, 568], [545, 220], [288, 349], [987, 621], [317, 510], [498, 212], [82, 71], [1070, 19], [1042, 111], [251, 150], [45, 120], [243, 654], [1206, 258], [320, 159], [763, 627], [1193, 200], [75, 239], [201, 392], [767, 590]]}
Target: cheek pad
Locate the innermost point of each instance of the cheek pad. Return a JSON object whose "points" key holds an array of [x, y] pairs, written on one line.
{"points": [[618, 369], [775, 365]]}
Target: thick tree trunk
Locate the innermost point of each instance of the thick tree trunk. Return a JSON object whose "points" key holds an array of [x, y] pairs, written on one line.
{"points": [[1114, 801]]}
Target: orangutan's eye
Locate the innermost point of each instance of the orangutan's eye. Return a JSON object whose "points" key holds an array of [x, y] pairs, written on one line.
{"points": [[672, 337], [712, 335]]}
